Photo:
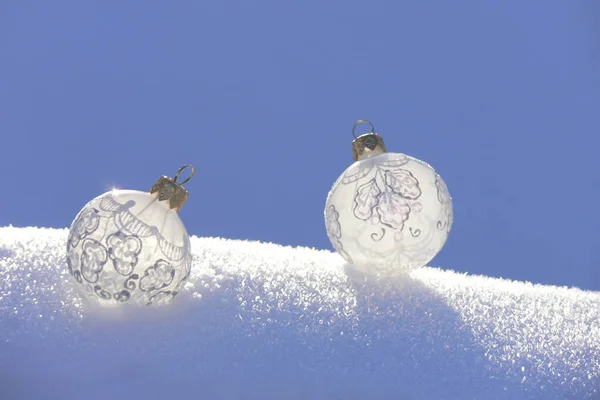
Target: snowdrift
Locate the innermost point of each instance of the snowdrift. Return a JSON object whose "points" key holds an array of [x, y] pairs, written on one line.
{"points": [[260, 320]]}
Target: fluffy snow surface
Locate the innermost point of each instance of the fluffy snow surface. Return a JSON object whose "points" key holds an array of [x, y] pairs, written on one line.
{"points": [[265, 321]]}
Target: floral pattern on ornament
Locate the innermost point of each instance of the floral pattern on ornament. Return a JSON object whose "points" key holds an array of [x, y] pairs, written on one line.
{"points": [[161, 297], [334, 230], [73, 266], [93, 259], [124, 250], [158, 276], [387, 197], [86, 223]]}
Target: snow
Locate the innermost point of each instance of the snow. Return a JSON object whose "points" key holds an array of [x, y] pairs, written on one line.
{"points": [[260, 320]]}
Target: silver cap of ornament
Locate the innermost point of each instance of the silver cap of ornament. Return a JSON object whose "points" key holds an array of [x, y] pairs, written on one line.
{"points": [[367, 145], [168, 189]]}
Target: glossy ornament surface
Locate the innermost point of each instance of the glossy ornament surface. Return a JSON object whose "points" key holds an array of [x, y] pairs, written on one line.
{"points": [[387, 212], [131, 246]]}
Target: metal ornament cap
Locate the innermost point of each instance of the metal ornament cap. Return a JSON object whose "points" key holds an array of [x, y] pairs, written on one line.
{"points": [[368, 144], [168, 189]]}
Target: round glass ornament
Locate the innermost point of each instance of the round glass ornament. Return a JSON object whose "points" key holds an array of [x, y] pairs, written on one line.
{"points": [[388, 212], [131, 246]]}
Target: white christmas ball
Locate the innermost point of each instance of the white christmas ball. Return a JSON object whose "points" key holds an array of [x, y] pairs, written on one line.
{"points": [[127, 246], [389, 212]]}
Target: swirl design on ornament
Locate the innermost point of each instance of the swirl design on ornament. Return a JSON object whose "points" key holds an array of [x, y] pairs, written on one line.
{"points": [[444, 197], [130, 282], [122, 296], [414, 232], [378, 236], [101, 292]]}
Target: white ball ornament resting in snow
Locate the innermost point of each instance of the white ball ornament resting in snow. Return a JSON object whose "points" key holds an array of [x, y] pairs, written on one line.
{"points": [[387, 212], [131, 246]]}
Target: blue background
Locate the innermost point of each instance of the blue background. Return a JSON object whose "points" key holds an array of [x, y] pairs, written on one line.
{"points": [[500, 97]]}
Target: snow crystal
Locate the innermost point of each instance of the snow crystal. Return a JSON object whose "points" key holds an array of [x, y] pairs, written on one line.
{"points": [[265, 321]]}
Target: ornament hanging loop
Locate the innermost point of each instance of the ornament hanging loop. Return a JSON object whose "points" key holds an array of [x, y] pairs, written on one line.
{"points": [[362, 121], [181, 170]]}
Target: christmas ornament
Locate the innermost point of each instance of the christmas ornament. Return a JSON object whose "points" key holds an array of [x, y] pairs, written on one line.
{"points": [[131, 246], [388, 211]]}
